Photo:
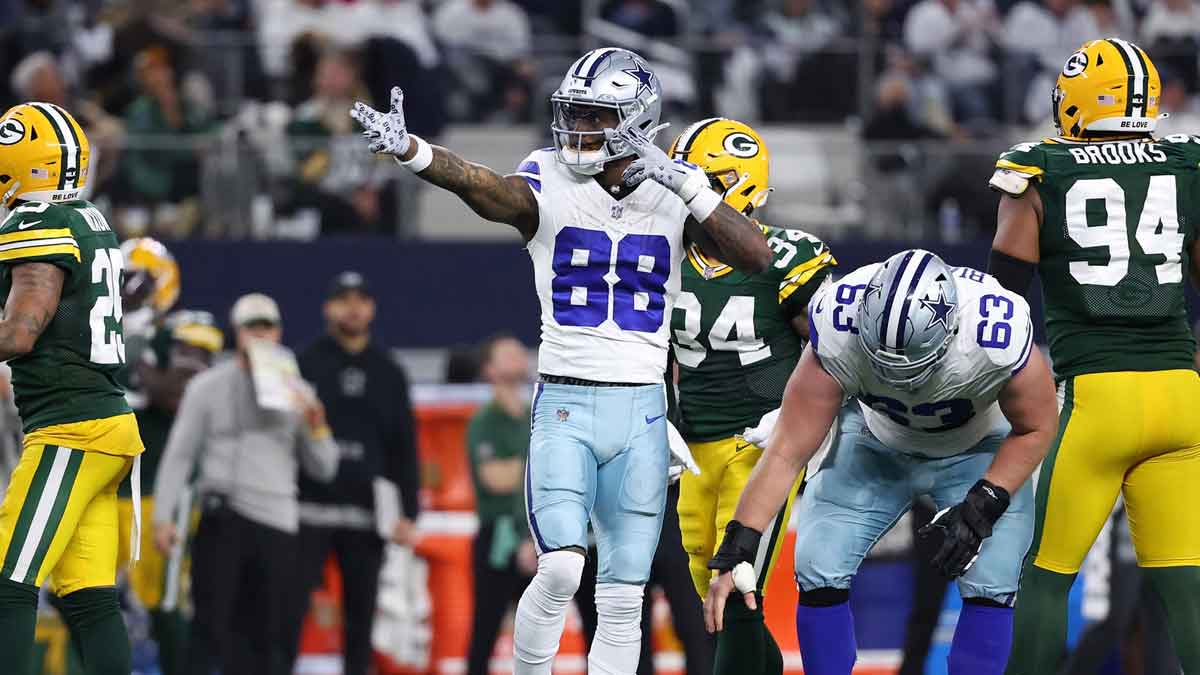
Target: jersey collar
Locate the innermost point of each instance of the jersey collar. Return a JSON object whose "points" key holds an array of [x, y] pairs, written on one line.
{"points": [[706, 267]]}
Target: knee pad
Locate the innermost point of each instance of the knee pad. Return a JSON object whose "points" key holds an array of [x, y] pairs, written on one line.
{"points": [[824, 597], [559, 572]]}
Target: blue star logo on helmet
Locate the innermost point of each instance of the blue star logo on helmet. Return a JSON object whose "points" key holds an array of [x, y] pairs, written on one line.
{"points": [[643, 76], [941, 309]]}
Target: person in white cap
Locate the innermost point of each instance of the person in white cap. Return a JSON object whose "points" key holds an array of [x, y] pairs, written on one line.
{"points": [[246, 459]]}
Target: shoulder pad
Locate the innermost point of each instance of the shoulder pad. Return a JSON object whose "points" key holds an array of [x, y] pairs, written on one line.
{"points": [[531, 167], [796, 253], [1000, 324], [38, 230], [1027, 159], [1009, 182]]}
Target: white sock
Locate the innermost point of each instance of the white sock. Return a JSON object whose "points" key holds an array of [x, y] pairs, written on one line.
{"points": [[542, 611], [617, 646]]}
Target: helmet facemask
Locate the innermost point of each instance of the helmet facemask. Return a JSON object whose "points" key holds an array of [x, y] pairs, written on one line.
{"points": [[581, 128]]}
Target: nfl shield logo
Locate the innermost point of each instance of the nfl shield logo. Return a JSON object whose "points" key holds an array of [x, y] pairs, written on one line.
{"points": [[563, 414], [617, 211]]}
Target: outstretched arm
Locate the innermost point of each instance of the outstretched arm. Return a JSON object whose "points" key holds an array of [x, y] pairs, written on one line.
{"points": [[732, 237], [503, 199], [32, 302]]}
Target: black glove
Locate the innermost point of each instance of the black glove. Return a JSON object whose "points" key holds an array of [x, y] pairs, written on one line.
{"points": [[739, 545], [960, 530]]}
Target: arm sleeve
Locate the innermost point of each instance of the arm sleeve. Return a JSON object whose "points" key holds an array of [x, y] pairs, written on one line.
{"points": [[183, 447], [318, 454], [404, 468], [803, 275]]}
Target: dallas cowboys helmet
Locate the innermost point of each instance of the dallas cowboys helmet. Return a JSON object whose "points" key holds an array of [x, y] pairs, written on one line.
{"points": [[610, 78], [907, 318]]}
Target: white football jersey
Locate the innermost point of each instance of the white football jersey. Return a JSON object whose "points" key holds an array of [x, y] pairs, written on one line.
{"points": [[956, 407], [607, 273]]}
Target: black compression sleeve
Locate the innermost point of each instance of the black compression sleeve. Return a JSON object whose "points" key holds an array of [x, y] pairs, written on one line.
{"points": [[1012, 273]]}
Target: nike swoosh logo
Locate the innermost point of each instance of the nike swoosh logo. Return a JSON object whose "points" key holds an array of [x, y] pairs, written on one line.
{"points": [[652, 420], [31, 223]]}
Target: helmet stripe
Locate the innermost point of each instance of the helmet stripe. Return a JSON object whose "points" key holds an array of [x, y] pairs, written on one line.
{"points": [[62, 144], [75, 136], [67, 122], [591, 62], [886, 319], [1136, 89], [908, 296], [684, 146]]}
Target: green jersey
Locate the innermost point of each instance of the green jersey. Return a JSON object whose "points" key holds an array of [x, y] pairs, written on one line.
{"points": [[733, 335], [494, 434], [71, 373], [1118, 218]]}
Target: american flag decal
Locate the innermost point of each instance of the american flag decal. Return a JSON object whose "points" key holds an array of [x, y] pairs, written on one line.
{"points": [[40, 173]]}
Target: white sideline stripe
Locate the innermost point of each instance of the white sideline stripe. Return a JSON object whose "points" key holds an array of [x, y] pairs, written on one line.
{"points": [[41, 516]]}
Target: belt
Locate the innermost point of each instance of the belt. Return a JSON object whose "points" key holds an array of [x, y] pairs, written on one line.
{"points": [[580, 382]]}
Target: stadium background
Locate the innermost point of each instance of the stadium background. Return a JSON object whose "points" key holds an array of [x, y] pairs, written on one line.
{"points": [[219, 127]]}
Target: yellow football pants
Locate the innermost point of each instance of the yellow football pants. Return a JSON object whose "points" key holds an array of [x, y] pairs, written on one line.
{"points": [[1134, 433], [707, 503], [59, 518]]}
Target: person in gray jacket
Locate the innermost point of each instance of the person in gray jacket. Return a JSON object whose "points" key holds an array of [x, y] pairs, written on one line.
{"points": [[245, 459]]}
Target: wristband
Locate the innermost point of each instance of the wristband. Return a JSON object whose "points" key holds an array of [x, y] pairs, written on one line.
{"points": [[739, 545], [422, 159], [703, 204]]}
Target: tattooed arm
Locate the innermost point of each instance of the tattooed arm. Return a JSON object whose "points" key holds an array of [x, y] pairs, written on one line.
{"points": [[31, 304], [733, 238], [503, 199]]}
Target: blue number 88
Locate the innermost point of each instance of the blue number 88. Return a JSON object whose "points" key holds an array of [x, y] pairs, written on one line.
{"points": [[583, 257]]}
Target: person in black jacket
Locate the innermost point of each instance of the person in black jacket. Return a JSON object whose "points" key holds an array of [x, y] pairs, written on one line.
{"points": [[367, 404]]}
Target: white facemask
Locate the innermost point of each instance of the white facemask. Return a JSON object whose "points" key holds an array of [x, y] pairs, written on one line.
{"points": [[586, 162]]}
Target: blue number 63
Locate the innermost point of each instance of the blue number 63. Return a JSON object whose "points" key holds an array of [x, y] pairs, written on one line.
{"points": [[994, 332], [581, 294]]}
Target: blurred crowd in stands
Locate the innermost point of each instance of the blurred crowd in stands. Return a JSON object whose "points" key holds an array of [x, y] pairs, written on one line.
{"points": [[226, 118]]}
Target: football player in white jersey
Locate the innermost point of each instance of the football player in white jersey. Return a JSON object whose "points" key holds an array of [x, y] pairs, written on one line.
{"points": [[606, 245], [954, 401]]}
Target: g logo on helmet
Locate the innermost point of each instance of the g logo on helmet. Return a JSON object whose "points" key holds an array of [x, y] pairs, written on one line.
{"points": [[741, 144], [11, 131], [1076, 64]]}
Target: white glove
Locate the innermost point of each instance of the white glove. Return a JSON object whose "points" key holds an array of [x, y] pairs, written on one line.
{"points": [[386, 131], [685, 180], [760, 434], [681, 456]]}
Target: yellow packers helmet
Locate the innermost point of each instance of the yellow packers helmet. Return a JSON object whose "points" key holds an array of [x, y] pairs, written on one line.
{"points": [[1108, 85], [196, 328], [151, 275], [734, 157], [43, 155]]}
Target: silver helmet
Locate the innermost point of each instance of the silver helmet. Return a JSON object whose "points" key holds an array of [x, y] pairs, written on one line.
{"points": [[611, 78], [908, 317]]}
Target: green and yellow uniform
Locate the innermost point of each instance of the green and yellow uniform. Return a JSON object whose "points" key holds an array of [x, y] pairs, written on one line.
{"points": [[736, 343], [1118, 219], [59, 516]]}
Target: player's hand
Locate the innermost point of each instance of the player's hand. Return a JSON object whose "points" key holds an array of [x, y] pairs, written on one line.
{"points": [[403, 532], [741, 579], [165, 537], [760, 434], [681, 456], [733, 561], [960, 530], [386, 132], [685, 180]]}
